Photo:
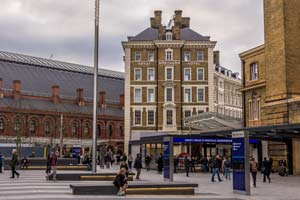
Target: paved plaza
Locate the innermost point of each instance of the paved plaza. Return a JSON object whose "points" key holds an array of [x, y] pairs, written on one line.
{"points": [[32, 185]]}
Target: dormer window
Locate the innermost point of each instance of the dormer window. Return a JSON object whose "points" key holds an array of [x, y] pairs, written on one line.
{"points": [[169, 36]]}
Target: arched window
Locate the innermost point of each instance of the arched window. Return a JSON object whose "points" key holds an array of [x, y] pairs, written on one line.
{"points": [[32, 127], [99, 131], [110, 131], [1, 125], [74, 129], [47, 128], [86, 130], [17, 126], [121, 131]]}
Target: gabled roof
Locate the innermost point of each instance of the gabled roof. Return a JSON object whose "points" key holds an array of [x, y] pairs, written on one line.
{"points": [[191, 35], [145, 35]]}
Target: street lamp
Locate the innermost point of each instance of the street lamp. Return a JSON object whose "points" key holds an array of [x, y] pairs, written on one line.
{"points": [[96, 48]]}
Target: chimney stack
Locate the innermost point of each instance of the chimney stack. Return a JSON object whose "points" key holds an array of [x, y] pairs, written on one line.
{"points": [[55, 94], [185, 22], [16, 89], [79, 97], [102, 99], [177, 24], [217, 58], [156, 20], [1, 89], [122, 100]]}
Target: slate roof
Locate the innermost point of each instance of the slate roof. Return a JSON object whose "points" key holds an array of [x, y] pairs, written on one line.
{"points": [[150, 34], [37, 75]]}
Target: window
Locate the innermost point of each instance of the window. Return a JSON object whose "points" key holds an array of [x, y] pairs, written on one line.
{"points": [[200, 111], [138, 74], [169, 117], [137, 117], [187, 56], [199, 55], [169, 36], [187, 95], [150, 74], [150, 117], [169, 55], [17, 125], [253, 71], [200, 95], [150, 56], [200, 74], [1, 125], [110, 131], [254, 109], [151, 95], [169, 73], [187, 113], [221, 84], [169, 94], [187, 74], [137, 95], [86, 130], [47, 128], [74, 129], [32, 127], [137, 56]]}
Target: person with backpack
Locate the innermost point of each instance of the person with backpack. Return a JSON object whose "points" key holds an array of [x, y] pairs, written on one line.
{"points": [[138, 165], [121, 182], [253, 170], [14, 163], [227, 167]]}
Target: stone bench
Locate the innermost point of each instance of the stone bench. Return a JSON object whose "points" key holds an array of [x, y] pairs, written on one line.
{"points": [[67, 167], [88, 177], [137, 188]]}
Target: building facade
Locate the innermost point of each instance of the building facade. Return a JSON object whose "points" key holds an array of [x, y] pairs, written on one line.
{"points": [[271, 80], [37, 94], [227, 85], [169, 75]]}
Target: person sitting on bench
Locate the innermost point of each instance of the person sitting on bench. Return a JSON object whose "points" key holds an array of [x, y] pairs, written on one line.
{"points": [[121, 182], [24, 163]]}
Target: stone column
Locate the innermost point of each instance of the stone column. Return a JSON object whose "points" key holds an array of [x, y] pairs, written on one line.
{"points": [[211, 103], [127, 120], [296, 156]]}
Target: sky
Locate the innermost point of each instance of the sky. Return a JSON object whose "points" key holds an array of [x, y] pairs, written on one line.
{"points": [[64, 29]]}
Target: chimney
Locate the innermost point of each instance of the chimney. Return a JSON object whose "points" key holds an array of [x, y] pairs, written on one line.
{"points": [[1, 89], [217, 58], [79, 97], [16, 89], [156, 20], [122, 100], [55, 94], [177, 24], [102, 99], [185, 22]]}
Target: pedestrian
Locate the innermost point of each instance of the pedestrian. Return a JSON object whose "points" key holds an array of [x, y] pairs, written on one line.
{"points": [[187, 164], [14, 163], [138, 165], [176, 162], [160, 164], [24, 163], [147, 162], [130, 160], [48, 165], [253, 170], [215, 168], [124, 157], [54, 165], [121, 182], [1, 161], [124, 165], [227, 167], [266, 170]]}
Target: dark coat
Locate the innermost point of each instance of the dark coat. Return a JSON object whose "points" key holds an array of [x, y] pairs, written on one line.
{"points": [[160, 164], [138, 163], [120, 180], [14, 160]]}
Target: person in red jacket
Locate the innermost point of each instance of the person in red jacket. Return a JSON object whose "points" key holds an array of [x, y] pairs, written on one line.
{"points": [[54, 164]]}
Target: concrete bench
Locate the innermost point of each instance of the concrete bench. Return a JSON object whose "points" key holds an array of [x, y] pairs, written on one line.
{"points": [[67, 167], [88, 177], [139, 188]]}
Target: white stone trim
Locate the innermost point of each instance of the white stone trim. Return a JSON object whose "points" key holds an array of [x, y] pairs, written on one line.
{"points": [[204, 94], [190, 69], [203, 74], [141, 74], [153, 73], [211, 85], [127, 118]]}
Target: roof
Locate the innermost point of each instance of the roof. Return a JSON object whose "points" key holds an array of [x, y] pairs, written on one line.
{"points": [[150, 34]]}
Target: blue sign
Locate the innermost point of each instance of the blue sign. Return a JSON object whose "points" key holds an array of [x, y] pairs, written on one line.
{"points": [[238, 163], [209, 140], [166, 158]]}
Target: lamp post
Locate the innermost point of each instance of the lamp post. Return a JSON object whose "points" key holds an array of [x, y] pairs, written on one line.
{"points": [[96, 47]]}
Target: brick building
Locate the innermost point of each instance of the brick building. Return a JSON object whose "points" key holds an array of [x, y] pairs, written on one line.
{"points": [[169, 75], [36, 92], [271, 83]]}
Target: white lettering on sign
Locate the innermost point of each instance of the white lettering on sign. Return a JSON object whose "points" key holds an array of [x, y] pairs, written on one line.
{"points": [[238, 134]]}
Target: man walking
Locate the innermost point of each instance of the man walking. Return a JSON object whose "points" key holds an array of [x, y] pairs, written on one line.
{"points": [[253, 170], [215, 169], [187, 163], [138, 165], [266, 169], [1, 158], [13, 164], [54, 164], [227, 167]]}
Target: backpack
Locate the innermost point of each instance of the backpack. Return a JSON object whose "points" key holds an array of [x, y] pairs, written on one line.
{"points": [[254, 167], [227, 163]]}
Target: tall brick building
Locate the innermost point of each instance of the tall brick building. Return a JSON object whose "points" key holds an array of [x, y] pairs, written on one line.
{"points": [[170, 73], [271, 83], [36, 92]]}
